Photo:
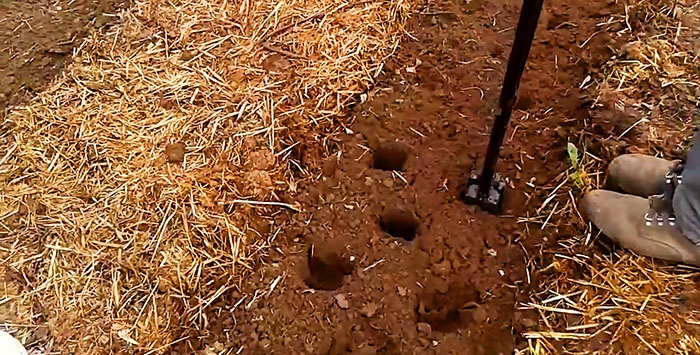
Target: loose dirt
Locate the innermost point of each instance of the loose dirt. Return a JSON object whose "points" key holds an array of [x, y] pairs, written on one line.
{"points": [[37, 38], [386, 258]]}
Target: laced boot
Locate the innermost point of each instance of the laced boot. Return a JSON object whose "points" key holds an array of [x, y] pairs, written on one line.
{"points": [[626, 219], [646, 226], [638, 174]]}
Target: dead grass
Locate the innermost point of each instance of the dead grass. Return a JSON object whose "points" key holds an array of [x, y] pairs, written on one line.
{"points": [[134, 191], [659, 63], [619, 303], [593, 297]]}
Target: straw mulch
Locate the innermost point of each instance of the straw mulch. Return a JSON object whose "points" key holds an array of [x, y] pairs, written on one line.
{"points": [[133, 192], [594, 297]]}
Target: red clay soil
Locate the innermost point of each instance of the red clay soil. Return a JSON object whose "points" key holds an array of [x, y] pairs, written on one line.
{"points": [[384, 262]]}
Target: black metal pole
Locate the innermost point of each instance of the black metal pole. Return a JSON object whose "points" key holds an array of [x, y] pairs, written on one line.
{"points": [[524, 35]]}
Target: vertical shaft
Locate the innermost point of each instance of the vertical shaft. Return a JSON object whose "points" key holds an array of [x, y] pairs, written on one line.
{"points": [[524, 35]]}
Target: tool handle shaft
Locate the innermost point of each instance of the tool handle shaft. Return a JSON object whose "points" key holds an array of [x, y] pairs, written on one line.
{"points": [[524, 35]]}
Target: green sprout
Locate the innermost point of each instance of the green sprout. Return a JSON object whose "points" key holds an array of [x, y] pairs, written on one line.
{"points": [[576, 172]]}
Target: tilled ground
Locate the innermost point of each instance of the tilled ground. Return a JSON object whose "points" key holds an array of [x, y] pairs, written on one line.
{"points": [[386, 258]]}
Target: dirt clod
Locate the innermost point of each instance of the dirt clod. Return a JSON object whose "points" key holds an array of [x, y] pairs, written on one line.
{"points": [[262, 159], [187, 55], [402, 291], [424, 328], [390, 157], [276, 63], [175, 152], [342, 301], [399, 224], [388, 182], [369, 309]]}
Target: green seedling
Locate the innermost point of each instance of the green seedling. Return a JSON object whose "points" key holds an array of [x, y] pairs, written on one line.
{"points": [[577, 174], [572, 152]]}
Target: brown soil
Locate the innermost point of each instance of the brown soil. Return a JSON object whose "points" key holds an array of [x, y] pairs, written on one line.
{"points": [[386, 257], [37, 38]]}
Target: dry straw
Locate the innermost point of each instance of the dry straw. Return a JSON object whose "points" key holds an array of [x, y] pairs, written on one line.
{"points": [[659, 62], [132, 190], [592, 300]]}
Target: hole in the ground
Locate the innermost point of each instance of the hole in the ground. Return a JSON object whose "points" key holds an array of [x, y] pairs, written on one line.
{"points": [[390, 157], [327, 269], [447, 310], [399, 223]]}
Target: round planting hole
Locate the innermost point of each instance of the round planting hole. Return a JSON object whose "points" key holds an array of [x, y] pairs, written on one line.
{"points": [[326, 269], [390, 157], [399, 224], [447, 309]]}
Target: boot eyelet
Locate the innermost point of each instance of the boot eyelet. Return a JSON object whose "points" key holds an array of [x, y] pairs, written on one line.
{"points": [[659, 220]]}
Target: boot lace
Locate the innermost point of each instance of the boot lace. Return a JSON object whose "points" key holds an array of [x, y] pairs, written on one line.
{"points": [[661, 206]]}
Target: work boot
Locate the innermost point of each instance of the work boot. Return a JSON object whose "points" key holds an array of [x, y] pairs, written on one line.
{"points": [[638, 174], [625, 219]]}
